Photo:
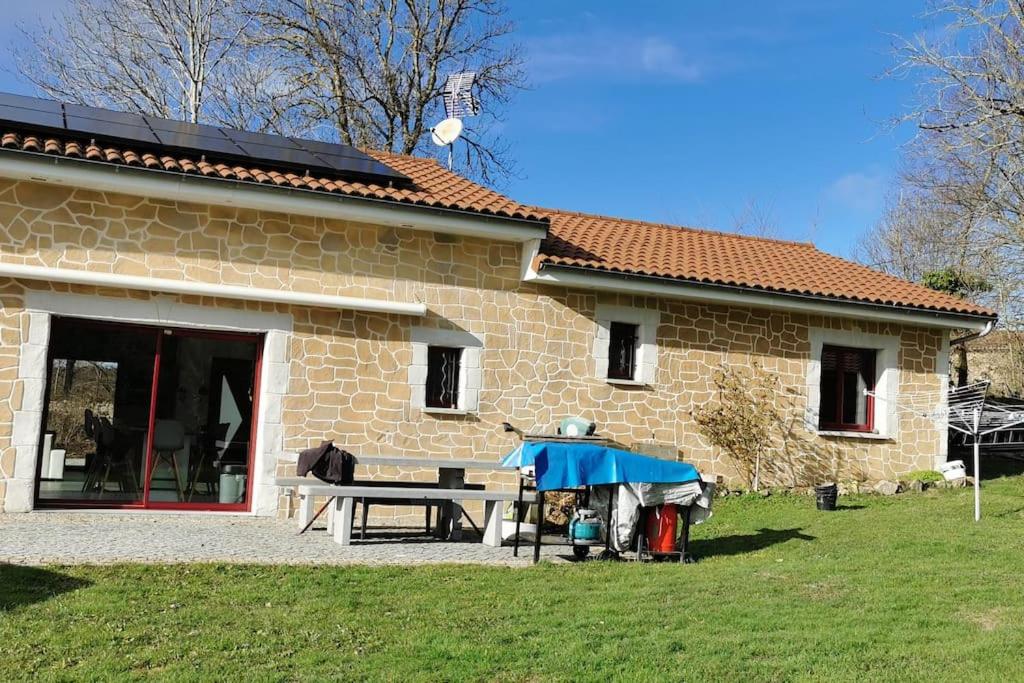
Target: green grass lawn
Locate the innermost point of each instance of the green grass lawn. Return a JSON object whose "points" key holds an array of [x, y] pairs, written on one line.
{"points": [[905, 587]]}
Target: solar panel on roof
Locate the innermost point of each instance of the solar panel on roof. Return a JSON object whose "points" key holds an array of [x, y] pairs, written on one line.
{"points": [[181, 127], [31, 110], [203, 144], [320, 147], [367, 166], [112, 130], [244, 136], [223, 144], [12, 100], [33, 117], [293, 157], [78, 110]]}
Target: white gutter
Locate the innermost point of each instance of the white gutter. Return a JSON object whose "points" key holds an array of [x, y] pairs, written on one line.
{"points": [[715, 294], [973, 336], [159, 184], [153, 284]]}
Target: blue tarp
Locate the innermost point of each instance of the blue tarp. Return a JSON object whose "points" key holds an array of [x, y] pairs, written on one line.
{"points": [[560, 465]]}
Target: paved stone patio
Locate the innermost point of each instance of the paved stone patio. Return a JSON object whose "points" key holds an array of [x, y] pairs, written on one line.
{"points": [[105, 538]]}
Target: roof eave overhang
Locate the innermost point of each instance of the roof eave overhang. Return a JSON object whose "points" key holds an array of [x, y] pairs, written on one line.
{"points": [[160, 184], [586, 278]]}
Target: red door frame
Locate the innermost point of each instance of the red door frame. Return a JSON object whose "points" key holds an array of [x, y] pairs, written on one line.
{"points": [[253, 421], [78, 503], [145, 504]]}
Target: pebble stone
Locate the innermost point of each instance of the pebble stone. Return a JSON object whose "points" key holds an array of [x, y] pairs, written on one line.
{"points": [[93, 538]]}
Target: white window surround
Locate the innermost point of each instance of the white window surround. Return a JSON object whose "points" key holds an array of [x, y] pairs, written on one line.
{"points": [[470, 374], [887, 379], [32, 370], [942, 370], [647, 321]]}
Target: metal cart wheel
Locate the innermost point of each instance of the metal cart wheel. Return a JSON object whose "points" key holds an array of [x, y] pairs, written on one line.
{"points": [[580, 552]]}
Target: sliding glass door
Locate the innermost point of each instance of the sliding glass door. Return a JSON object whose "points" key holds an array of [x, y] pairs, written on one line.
{"points": [[147, 417], [94, 440], [202, 430]]}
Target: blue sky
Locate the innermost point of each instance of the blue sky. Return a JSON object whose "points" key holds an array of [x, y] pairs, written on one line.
{"points": [[688, 112]]}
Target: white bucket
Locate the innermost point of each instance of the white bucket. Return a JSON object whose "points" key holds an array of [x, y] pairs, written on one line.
{"points": [[954, 469]]}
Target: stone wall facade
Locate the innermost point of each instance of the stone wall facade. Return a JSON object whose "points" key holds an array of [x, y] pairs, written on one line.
{"points": [[347, 372]]}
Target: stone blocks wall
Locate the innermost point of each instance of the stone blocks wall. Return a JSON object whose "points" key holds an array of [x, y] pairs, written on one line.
{"points": [[346, 375]]}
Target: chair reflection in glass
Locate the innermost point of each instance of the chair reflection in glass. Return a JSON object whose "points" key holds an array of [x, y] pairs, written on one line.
{"points": [[168, 440], [209, 464], [110, 461]]}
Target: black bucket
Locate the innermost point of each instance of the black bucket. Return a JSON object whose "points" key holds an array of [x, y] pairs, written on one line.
{"points": [[826, 495]]}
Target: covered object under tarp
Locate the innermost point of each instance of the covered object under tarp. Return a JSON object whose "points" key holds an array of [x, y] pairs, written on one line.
{"points": [[631, 480], [564, 465]]}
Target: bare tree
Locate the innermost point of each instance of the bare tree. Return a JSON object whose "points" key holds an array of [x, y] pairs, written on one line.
{"points": [[917, 235], [756, 219], [946, 248], [370, 72], [364, 72], [961, 205], [968, 159], [172, 58]]}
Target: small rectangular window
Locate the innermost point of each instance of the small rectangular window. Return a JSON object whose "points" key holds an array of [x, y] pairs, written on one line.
{"points": [[622, 351], [845, 375], [443, 377]]}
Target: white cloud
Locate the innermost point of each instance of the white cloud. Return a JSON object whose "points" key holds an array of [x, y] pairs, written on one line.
{"points": [[659, 56], [858, 190], [609, 55]]}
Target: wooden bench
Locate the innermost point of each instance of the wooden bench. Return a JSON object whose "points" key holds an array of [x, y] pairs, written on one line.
{"points": [[340, 522]]}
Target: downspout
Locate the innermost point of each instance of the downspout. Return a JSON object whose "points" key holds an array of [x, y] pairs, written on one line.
{"points": [[530, 249], [974, 335]]}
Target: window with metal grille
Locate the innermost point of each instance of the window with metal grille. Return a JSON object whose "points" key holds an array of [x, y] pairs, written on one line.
{"points": [[845, 375], [622, 351], [443, 377]]}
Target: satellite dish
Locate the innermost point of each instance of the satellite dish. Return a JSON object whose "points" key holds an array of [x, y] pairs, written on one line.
{"points": [[459, 102], [446, 132]]}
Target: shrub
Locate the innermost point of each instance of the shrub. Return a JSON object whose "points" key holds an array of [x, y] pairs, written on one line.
{"points": [[741, 417], [927, 476]]}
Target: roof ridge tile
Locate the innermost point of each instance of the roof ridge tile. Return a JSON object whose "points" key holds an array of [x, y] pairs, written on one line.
{"points": [[673, 226], [599, 243]]}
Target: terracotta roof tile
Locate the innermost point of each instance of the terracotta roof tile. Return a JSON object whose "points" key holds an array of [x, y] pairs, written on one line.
{"points": [[575, 239], [432, 184], [634, 247]]}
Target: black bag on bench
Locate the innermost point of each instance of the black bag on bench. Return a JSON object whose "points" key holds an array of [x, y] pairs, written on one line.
{"points": [[327, 463]]}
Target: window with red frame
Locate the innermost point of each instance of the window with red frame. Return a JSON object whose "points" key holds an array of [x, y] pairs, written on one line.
{"points": [[845, 375]]}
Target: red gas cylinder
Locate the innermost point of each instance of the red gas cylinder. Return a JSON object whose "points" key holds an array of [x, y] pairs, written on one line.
{"points": [[661, 528]]}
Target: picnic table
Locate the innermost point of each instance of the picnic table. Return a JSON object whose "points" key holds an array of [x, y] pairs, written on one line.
{"points": [[450, 492]]}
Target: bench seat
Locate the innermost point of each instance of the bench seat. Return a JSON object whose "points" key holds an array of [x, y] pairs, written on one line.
{"points": [[345, 497]]}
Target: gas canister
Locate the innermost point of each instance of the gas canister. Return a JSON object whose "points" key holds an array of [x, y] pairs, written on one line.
{"points": [[661, 528]]}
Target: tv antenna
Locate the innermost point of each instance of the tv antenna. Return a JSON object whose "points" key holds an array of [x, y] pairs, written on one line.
{"points": [[459, 102]]}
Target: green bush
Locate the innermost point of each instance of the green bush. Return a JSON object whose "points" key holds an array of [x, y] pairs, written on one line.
{"points": [[926, 476]]}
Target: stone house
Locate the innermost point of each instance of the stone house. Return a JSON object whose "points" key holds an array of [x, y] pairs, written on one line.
{"points": [[998, 358], [178, 315]]}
